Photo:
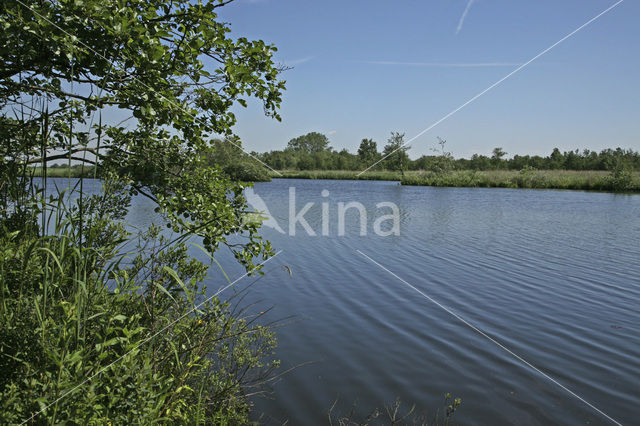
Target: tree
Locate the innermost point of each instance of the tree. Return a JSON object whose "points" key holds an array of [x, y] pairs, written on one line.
{"points": [[67, 70], [480, 162], [78, 61], [556, 159], [444, 160], [309, 143], [395, 152], [346, 161], [228, 155], [368, 151], [496, 157]]}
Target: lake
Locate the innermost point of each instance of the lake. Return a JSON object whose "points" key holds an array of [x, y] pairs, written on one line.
{"points": [[554, 276], [549, 279]]}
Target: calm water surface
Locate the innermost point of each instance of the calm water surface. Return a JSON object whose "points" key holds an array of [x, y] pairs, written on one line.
{"points": [[552, 275]]}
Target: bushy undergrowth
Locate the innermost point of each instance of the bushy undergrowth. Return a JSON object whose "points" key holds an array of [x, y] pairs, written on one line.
{"points": [[91, 335]]}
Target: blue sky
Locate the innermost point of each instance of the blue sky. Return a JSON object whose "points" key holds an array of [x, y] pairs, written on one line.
{"points": [[366, 68]]}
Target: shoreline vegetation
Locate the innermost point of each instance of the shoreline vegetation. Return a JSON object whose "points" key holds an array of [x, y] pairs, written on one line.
{"points": [[583, 180], [101, 321], [311, 156]]}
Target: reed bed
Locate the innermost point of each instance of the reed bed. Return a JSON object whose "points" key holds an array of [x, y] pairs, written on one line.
{"points": [[531, 179], [589, 180]]}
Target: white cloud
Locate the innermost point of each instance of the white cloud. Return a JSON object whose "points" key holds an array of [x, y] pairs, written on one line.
{"points": [[332, 132], [464, 15]]}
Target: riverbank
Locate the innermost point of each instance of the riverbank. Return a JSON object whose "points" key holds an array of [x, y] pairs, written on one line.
{"points": [[63, 172], [592, 180], [589, 180], [336, 174]]}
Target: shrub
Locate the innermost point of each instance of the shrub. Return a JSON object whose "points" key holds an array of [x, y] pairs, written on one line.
{"points": [[620, 179], [247, 172]]}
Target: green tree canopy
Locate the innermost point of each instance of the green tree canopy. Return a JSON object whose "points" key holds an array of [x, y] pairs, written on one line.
{"points": [[395, 152], [169, 67], [310, 143], [497, 154], [368, 151], [496, 157]]}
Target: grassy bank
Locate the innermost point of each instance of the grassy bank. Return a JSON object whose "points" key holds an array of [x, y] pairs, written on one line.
{"points": [[533, 179], [591, 180], [245, 171], [63, 172], [337, 174]]}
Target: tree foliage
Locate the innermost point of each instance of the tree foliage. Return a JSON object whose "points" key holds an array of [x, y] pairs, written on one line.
{"points": [[143, 90], [310, 143], [67, 66], [368, 151], [496, 157], [443, 161], [395, 152], [228, 155]]}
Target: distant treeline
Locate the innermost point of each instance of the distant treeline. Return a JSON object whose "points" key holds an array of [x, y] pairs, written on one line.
{"points": [[313, 152]]}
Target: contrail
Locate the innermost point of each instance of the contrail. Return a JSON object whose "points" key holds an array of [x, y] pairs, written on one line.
{"points": [[497, 83], [446, 64], [464, 15]]}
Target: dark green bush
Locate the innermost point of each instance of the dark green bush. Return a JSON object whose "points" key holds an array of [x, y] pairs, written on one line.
{"points": [[621, 179], [247, 172]]}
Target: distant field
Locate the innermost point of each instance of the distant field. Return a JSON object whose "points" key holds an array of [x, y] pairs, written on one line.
{"points": [[593, 180]]}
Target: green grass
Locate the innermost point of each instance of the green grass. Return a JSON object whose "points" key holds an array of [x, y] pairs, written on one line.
{"points": [[74, 172], [90, 334], [590, 180]]}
